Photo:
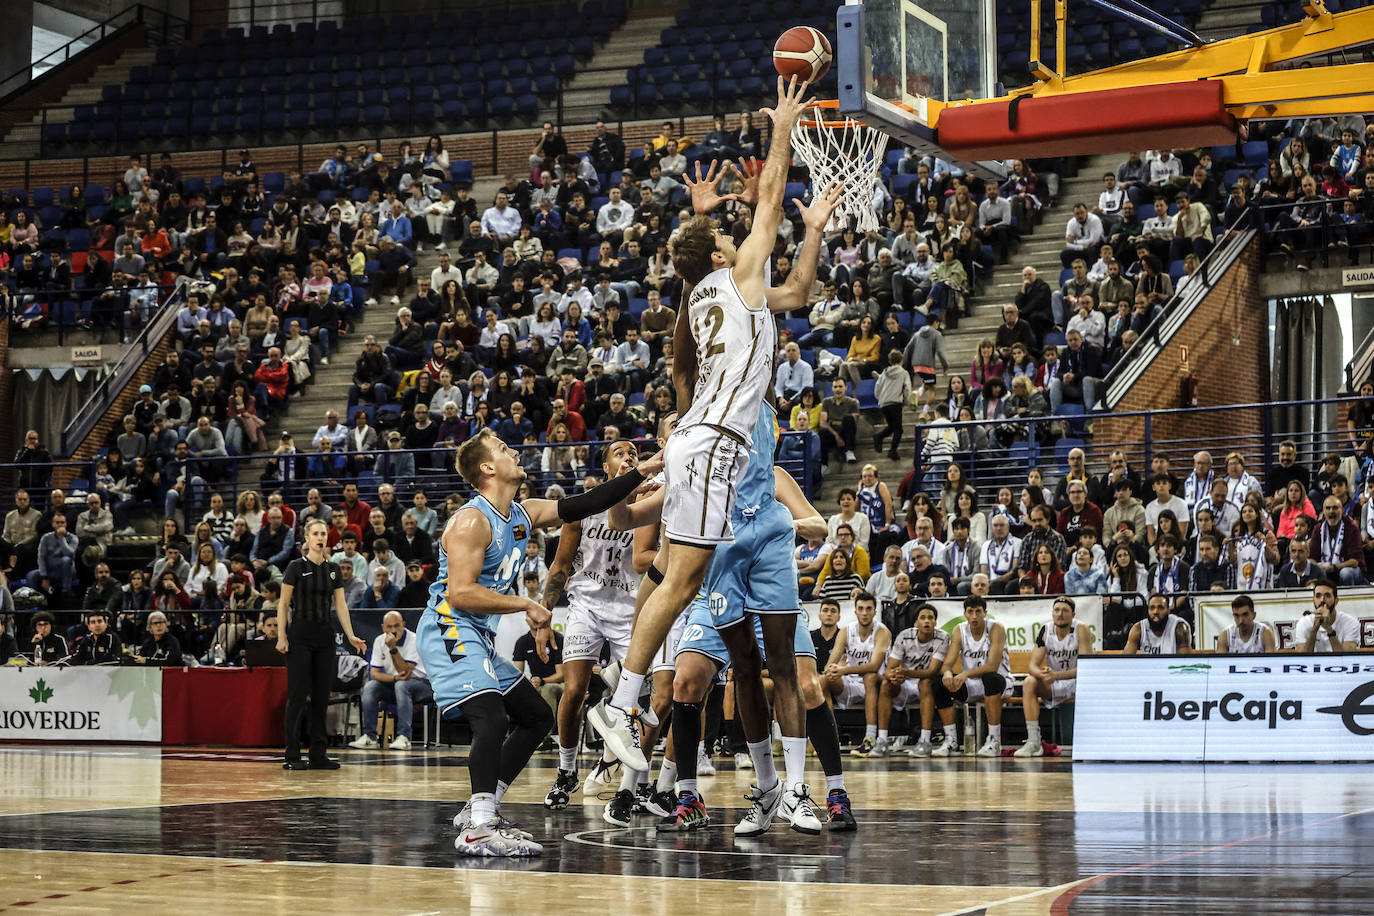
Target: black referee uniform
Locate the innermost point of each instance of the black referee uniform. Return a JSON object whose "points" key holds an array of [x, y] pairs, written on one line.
{"points": [[310, 664]]}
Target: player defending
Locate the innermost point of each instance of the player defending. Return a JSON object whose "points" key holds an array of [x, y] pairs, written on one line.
{"points": [[736, 339], [599, 569], [1052, 675], [980, 649], [479, 558]]}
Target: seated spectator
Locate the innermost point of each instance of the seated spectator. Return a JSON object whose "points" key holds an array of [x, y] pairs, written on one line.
{"points": [[100, 645], [397, 676], [45, 646], [1084, 577], [57, 551], [382, 595], [1247, 636], [160, 648], [1326, 629], [1165, 501], [1336, 546], [1299, 571], [839, 423], [837, 578], [1084, 232], [1126, 509], [1000, 558]]}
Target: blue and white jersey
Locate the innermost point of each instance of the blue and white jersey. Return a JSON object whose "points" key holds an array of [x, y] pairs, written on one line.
{"points": [[500, 564]]}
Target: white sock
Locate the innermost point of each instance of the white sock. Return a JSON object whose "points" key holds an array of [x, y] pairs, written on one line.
{"points": [[687, 785], [995, 733], [761, 752], [667, 775], [870, 732], [606, 755], [501, 788], [641, 777], [925, 734], [627, 690], [882, 734], [950, 735], [702, 751], [567, 758], [1033, 732], [628, 778], [834, 782], [794, 760], [483, 807]]}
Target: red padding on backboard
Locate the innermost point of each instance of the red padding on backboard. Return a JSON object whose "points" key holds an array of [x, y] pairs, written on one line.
{"points": [[1183, 115]]}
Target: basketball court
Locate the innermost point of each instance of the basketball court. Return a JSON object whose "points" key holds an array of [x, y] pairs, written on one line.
{"points": [[106, 829]]}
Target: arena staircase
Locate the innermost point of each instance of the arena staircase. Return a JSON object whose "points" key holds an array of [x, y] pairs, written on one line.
{"points": [[23, 140], [588, 94]]}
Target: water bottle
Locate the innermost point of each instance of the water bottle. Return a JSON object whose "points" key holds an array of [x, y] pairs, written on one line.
{"points": [[217, 655]]}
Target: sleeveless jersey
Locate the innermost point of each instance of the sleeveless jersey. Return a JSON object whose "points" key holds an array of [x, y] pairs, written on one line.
{"points": [[1252, 564], [1167, 644], [1060, 654], [604, 580], [859, 651], [500, 564], [974, 652], [871, 504], [916, 655], [736, 344], [1254, 645], [754, 491]]}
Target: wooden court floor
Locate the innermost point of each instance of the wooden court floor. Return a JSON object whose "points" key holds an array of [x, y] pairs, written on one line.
{"points": [[130, 830]]}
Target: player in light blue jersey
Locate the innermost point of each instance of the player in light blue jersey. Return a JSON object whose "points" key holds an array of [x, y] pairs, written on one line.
{"points": [[479, 558]]}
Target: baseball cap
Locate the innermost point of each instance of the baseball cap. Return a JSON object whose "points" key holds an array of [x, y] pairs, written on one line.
{"points": [[145, 389], [415, 564], [597, 363]]}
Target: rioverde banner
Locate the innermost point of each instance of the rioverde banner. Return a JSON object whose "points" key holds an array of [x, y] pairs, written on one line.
{"points": [[80, 704], [1217, 708]]}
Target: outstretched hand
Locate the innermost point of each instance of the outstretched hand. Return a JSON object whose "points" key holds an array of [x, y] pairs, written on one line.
{"points": [[747, 174], [790, 105], [705, 191], [817, 216]]}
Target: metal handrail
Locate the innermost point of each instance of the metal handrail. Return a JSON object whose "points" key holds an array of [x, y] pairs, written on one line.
{"points": [[121, 373]]}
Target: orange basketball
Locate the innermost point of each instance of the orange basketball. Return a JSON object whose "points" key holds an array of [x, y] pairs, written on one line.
{"points": [[803, 52]]}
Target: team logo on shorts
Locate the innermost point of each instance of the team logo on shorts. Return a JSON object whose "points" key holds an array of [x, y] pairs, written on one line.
{"points": [[487, 667], [716, 603], [692, 633]]}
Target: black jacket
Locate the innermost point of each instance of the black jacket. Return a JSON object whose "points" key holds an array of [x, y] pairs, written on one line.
{"points": [[104, 649]]}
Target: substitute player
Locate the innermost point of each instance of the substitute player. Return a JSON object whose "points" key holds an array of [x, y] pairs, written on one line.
{"points": [[736, 341], [480, 554], [1052, 676], [598, 568], [980, 650], [855, 667], [912, 677]]}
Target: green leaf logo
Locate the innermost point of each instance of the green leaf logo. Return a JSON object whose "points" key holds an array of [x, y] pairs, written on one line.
{"points": [[41, 692], [140, 689], [1196, 668]]}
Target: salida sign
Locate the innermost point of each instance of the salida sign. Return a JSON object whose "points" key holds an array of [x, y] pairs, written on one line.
{"points": [[1303, 708]]}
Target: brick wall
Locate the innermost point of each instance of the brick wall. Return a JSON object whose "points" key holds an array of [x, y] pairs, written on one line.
{"points": [[492, 152], [1228, 352]]}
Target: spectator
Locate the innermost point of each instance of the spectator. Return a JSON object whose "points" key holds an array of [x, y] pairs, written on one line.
{"points": [[398, 677], [1084, 576], [37, 460], [1299, 571], [892, 391], [1336, 546], [45, 646], [160, 648], [382, 595], [273, 547], [926, 346], [57, 561], [546, 676], [1083, 232], [1192, 229], [839, 423], [1000, 557], [1126, 509]]}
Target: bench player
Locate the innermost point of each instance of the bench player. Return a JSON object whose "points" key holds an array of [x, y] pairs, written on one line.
{"points": [[598, 569], [980, 650], [1052, 675], [1160, 633], [912, 677], [1247, 636], [736, 342], [480, 554], [854, 669]]}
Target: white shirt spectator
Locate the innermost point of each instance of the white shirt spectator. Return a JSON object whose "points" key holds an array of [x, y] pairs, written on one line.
{"points": [[438, 277], [1158, 226], [793, 377], [501, 221], [1175, 505], [407, 646], [1347, 630], [338, 436], [614, 217], [1087, 234], [882, 586], [581, 295], [483, 273], [394, 567], [1000, 558], [1093, 327], [859, 524], [1111, 202], [491, 336], [1162, 170], [626, 354]]}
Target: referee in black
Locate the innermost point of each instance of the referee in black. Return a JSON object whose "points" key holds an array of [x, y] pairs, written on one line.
{"points": [[311, 586]]}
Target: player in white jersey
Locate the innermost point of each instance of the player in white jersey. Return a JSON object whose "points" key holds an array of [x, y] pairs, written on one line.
{"points": [[1247, 636], [980, 650], [853, 674], [598, 569], [913, 670], [1052, 674], [1160, 633], [728, 318]]}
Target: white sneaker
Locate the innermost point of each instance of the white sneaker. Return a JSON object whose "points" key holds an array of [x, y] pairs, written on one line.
{"points": [[371, 300], [599, 778], [849, 457], [619, 728], [923, 748], [364, 743], [402, 743], [127, 532], [442, 246], [704, 765], [395, 300], [799, 811], [991, 748], [764, 805], [897, 743], [491, 841], [324, 360], [743, 761], [463, 821], [419, 246], [945, 748], [881, 748], [1030, 749]]}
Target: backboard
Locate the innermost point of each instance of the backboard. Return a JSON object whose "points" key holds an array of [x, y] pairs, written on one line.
{"points": [[894, 56]]}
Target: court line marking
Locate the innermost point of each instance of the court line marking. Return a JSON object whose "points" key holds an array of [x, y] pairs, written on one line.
{"points": [[1029, 895], [578, 838], [1060, 905], [158, 806]]}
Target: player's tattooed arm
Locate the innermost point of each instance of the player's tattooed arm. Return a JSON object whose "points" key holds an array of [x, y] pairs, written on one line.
{"points": [[555, 588]]}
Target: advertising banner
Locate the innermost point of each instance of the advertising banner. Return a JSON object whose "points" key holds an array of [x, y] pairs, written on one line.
{"points": [[1220, 708], [80, 704], [1281, 610]]}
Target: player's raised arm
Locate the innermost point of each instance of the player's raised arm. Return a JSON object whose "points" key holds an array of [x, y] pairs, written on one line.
{"points": [[757, 248], [684, 354], [794, 292], [568, 542], [805, 519], [545, 513]]}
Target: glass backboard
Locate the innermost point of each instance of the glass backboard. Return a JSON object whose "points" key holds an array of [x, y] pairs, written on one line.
{"points": [[893, 56]]}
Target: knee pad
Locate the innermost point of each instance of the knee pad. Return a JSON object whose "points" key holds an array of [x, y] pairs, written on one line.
{"points": [[994, 684]]}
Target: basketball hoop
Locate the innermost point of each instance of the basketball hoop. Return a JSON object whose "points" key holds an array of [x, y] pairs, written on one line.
{"points": [[836, 148]]}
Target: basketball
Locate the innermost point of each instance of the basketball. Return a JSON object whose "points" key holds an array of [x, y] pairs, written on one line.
{"points": [[802, 52]]}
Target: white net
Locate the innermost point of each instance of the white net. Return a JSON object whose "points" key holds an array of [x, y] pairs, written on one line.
{"points": [[848, 152]]}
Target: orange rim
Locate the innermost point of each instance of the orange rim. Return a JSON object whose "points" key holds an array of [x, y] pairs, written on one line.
{"points": [[828, 105]]}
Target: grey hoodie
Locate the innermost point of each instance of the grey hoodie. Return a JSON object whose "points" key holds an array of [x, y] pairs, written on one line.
{"points": [[925, 346]]}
